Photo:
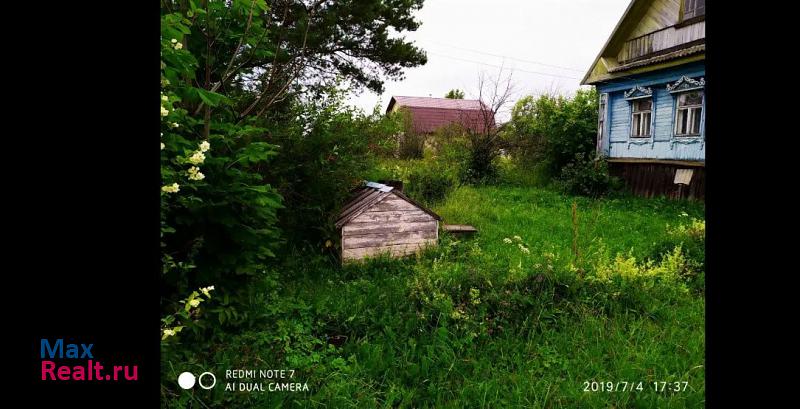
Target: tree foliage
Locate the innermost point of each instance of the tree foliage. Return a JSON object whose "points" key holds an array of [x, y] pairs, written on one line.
{"points": [[262, 52], [551, 130], [454, 93], [258, 146], [218, 215]]}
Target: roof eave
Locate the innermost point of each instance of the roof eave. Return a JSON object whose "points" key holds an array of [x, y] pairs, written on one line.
{"points": [[648, 68], [608, 42]]}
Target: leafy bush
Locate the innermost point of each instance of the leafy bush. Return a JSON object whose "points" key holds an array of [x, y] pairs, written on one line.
{"points": [[627, 284], [430, 183], [218, 213], [325, 149], [552, 130], [586, 176], [690, 237], [411, 145]]}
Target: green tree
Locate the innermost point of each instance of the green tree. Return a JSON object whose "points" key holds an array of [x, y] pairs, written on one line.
{"points": [[454, 94], [260, 53], [218, 214], [550, 130]]}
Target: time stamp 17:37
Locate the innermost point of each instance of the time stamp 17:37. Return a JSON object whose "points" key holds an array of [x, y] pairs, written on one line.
{"points": [[641, 386]]}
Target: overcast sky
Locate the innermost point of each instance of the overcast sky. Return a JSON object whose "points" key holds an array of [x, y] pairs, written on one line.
{"points": [[532, 38]]}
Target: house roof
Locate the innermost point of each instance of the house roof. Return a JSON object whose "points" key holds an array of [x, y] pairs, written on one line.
{"points": [[695, 49], [647, 36], [368, 195], [429, 102], [608, 41], [429, 114]]}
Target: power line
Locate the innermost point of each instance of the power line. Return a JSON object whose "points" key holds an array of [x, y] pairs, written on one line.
{"points": [[500, 66], [508, 57]]}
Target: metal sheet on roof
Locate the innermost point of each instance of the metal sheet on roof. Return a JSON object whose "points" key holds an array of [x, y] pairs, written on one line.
{"points": [[380, 186]]}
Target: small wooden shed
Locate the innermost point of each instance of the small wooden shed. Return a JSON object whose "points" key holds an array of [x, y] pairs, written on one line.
{"points": [[379, 218]]}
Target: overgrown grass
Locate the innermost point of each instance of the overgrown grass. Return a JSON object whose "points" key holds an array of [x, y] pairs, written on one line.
{"points": [[494, 320]]}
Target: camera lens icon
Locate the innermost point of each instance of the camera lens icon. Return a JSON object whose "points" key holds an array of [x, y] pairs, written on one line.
{"points": [[186, 380]]}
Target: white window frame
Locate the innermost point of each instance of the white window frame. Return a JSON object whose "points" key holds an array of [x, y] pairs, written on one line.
{"points": [[641, 118], [691, 111], [602, 120], [687, 13]]}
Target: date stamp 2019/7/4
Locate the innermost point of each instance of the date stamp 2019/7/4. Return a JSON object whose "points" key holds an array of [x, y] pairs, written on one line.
{"points": [[640, 386]]}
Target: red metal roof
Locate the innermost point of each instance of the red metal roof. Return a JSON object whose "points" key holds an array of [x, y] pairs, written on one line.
{"points": [[429, 102], [430, 114]]}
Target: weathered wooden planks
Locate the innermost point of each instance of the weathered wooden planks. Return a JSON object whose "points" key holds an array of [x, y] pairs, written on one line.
{"points": [[658, 179], [459, 229], [396, 250], [393, 224], [392, 203], [390, 239], [388, 228], [392, 216]]}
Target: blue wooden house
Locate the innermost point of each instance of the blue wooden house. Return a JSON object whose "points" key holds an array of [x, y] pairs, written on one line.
{"points": [[650, 76]]}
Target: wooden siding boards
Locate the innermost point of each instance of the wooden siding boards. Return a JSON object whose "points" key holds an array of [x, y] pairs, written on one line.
{"points": [[395, 251], [647, 28], [658, 15], [393, 224], [663, 144], [658, 179], [650, 48], [661, 40]]}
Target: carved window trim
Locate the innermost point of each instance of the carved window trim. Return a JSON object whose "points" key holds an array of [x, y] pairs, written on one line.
{"points": [[685, 83]]}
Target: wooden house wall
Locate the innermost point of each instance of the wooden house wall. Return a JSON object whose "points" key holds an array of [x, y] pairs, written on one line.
{"points": [[392, 226], [659, 14], [662, 144], [661, 40], [658, 179]]}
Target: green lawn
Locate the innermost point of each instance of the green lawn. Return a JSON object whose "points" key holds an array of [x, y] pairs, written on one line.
{"points": [[480, 323]]}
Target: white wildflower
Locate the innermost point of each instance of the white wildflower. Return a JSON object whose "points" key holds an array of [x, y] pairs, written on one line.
{"points": [[507, 240], [204, 146], [517, 238], [164, 111], [206, 290], [195, 302], [174, 125], [173, 41], [173, 188], [523, 248], [195, 174], [197, 158], [178, 46], [164, 98], [169, 332], [162, 146]]}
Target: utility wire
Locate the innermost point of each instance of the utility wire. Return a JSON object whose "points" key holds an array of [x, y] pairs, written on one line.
{"points": [[500, 66], [509, 57]]}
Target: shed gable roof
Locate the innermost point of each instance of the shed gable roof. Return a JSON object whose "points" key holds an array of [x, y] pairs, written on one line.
{"points": [[367, 196]]}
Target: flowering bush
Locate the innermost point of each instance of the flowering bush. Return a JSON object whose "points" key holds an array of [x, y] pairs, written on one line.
{"points": [[188, 315], [218, 216]]}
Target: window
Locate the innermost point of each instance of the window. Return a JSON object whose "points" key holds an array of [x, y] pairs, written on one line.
{"points": [[693, 8], [689, 113], [641, 112], [601, 120]]}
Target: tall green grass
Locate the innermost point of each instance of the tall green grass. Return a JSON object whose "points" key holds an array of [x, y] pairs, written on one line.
{"points": [[481, 323]]}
